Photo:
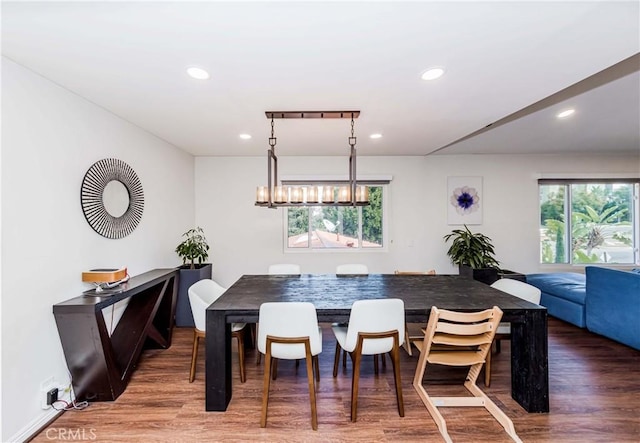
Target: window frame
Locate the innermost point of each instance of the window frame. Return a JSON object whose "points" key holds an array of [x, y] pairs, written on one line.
{"points": [[359, 249], [568, 199]]}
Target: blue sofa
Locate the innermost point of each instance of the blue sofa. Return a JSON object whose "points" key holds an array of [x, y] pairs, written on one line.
{"points": [[563, 294], [605, 301]]}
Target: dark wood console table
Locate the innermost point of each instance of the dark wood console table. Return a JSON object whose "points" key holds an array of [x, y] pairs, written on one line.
{"points": [[101, 365]]}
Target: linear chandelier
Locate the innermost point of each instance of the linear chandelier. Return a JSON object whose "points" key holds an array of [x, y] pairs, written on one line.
{"points": [[318, 192]]}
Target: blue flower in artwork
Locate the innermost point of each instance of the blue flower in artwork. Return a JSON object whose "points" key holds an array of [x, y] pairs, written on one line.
{"points": [[465, 199]]}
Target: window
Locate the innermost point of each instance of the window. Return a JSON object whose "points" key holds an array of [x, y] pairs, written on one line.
{"points": [[337, 227], [589, 221]]}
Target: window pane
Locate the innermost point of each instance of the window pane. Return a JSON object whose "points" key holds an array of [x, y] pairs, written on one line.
{"points": [[552, 224], [298, 225], [601, 217], [334, 227], [372, 219]]}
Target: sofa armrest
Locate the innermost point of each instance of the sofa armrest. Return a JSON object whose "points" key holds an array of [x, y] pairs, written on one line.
{"points": [[613, 304]]}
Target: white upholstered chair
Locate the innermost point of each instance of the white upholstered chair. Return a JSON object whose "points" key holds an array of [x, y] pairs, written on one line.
{"points": [[355, 269], [375, 327], [201, 295], [518, 289], [289, 330], [284, 269], [277, 269], [352, 269]]}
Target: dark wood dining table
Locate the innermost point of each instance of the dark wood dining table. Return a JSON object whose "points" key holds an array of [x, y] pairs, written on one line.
{"points": [[333, 295]]}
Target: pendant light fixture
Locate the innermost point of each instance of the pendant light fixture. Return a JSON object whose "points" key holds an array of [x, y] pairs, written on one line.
{"points": [[318, 192]]}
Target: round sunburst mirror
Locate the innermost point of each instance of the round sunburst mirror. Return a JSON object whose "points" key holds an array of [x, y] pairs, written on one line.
{"points": [[112, 198]]}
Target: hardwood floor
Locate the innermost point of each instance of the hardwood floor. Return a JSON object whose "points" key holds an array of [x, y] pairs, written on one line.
{"points": [[594, 397]]}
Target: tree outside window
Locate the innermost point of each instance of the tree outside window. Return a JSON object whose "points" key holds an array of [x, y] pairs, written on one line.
{"points": [[600, 228], [337, 227]]}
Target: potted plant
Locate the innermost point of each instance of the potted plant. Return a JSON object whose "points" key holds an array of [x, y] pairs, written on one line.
{"points": [[474, 255], [194, 251]]}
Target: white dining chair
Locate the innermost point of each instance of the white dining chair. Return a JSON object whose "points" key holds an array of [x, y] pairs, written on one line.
{"points": [[201, 295], [375, 327], [277, 269], [518, 289], [289, 331], [284, 269], [352, 269]]}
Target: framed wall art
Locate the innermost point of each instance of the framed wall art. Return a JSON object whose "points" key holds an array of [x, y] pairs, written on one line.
{"points": [[464, 200]]}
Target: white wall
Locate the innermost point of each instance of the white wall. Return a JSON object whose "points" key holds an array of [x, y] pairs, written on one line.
{"points": [[50, 137], [245, 239]]}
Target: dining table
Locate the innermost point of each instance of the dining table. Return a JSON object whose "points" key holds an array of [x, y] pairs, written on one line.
{"points": [[332, 295]]}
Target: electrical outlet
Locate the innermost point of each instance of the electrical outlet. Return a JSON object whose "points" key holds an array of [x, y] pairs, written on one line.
{"points": [[46, 388], [52, 396]]}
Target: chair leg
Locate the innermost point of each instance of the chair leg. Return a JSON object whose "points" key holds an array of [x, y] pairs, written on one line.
{"points": [[384, 361], [344, 359], [336, 360], [395, 359], [356, 357], [239, 335], [407, 341], [255, 342], [317, 368], [487, 369], [312, 388], [375, 364], [274, 368], [265, 387], [194, 356]]}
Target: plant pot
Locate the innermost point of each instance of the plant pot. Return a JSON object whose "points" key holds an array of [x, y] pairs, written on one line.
{"points": [[484, 275], [184, 317]]}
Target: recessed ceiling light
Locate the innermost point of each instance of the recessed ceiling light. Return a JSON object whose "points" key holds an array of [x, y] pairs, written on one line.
{"points": [[432, 73], [565, 114], [198, 73], [245, 136], [375, 136]]}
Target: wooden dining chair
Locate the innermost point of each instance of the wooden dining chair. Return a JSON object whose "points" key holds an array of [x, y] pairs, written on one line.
{"points": [[289, 330], [468, 337], [411, 339], [375, 327], [518, 289], [201, 295]]}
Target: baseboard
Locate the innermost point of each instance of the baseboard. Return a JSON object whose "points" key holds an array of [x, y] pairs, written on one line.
{"points": [[35, 426]]}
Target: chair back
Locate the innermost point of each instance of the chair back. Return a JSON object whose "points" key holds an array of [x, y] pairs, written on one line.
{"points": [[381, 315], [462, 330], [284, 269], [518, 289], [201, 294], [352, 269], [286, 320], [429, 272]]}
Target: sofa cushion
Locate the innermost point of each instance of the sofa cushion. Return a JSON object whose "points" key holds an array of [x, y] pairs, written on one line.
{"points": [[567, 285], [613, 304]]}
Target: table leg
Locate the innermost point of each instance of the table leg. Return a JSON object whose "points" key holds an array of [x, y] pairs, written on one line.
{"points": [[217, 361], [529, 362]]}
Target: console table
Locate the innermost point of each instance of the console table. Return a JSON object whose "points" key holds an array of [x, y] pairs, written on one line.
{"points": [[101, 364]]}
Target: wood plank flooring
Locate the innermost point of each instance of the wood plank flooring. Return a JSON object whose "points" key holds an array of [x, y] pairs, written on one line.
{"points": [[594, 397]]}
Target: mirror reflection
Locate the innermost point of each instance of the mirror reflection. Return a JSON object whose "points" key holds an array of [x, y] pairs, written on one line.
{"points": [[115, 198]]}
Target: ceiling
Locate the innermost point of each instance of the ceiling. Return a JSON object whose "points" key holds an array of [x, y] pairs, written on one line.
{"points": [[510, 68]]}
